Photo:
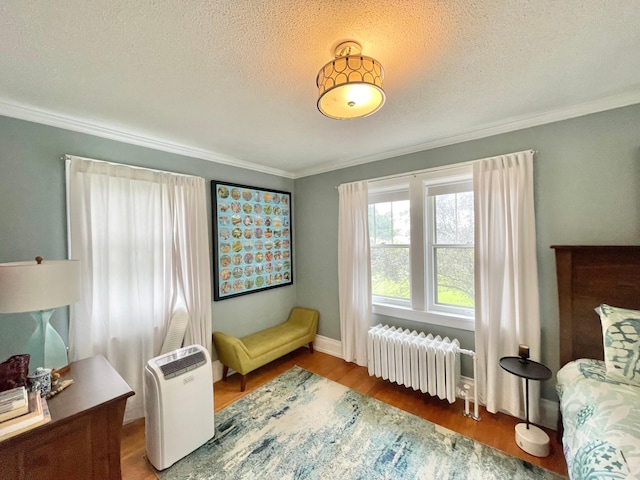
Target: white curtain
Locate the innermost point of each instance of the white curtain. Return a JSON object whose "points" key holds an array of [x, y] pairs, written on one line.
{"points": [[507, 306], [191, 259], [141, 239], [354, 271]]}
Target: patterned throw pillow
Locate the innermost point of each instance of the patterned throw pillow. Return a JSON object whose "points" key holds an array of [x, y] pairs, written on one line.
{"points": [[621, 335]]}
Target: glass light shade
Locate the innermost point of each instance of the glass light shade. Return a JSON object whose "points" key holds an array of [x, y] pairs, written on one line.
{"points": [[40, 288], [350, 87]]}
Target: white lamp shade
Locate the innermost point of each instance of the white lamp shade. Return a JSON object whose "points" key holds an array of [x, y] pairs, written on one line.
{"points": [[29, 286]]}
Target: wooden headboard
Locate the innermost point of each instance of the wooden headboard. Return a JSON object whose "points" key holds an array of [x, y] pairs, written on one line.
{"points": [[587, 277]]}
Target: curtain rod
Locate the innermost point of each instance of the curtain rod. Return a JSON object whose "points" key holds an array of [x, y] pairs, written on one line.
{"points": [[435, 169], [69, 157]]}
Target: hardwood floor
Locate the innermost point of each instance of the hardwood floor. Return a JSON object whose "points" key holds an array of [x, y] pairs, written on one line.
{"points": [[495, 430]]}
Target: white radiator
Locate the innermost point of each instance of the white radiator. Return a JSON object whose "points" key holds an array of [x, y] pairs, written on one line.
{"points": [[419, 361]]}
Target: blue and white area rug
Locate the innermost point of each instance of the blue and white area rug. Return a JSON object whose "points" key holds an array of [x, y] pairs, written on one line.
{"points": [[303, 426]]}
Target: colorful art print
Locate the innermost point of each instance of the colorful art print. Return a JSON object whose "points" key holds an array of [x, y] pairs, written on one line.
{"points": [[252, 240]]}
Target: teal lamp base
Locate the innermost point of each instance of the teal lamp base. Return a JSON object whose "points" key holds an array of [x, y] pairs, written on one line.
{"points": [[46, 347]]}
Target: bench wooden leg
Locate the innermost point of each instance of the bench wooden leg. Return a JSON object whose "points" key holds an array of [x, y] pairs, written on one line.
{"points": [[311, 346], [225, 371], [243, 383]]}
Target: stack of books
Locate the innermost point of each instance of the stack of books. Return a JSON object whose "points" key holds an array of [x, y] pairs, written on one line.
{"points": [[21, 411]]}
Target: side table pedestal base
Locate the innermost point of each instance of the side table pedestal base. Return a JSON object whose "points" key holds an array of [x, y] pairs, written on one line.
{"points": [[532, 440]]}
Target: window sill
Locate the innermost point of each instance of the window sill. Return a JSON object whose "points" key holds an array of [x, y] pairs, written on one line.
{"points": [[441, 319]]}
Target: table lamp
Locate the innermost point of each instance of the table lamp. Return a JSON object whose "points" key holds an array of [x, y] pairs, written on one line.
{"points": [[39, 287]]}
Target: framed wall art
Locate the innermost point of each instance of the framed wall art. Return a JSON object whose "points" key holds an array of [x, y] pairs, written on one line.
{"points": [[252, 239]]}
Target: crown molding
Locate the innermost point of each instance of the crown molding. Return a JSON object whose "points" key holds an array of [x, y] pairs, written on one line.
{"points": [[518, 123], [32, 114], [36, 115]]}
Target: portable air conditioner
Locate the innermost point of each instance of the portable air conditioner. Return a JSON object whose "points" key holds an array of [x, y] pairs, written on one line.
{"points": [[179, 404]]}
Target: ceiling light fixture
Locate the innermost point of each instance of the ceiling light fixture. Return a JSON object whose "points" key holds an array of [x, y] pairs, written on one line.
{"points": [[350, 86]]}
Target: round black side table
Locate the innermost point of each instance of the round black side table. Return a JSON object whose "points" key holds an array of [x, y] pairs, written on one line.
{"points": [[530, 438]]}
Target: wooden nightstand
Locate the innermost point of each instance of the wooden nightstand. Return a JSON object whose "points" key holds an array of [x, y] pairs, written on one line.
{"points": [[82, 440]]}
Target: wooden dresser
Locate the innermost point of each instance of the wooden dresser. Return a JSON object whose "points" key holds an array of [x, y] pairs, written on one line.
{"points": [[82, 440]]}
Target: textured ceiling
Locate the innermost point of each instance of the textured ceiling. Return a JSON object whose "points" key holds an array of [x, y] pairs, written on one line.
{"points": [[234, 81]]}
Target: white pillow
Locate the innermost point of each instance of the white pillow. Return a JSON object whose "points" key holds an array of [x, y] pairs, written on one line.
{"points": [[621, 337]]}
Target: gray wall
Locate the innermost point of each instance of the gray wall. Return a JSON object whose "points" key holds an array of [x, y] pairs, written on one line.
{"points": [[587, 174], [587, 179], [33, 216]]}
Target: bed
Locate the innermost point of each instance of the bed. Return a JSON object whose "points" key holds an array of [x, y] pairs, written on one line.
{"points": [[599, 404]]}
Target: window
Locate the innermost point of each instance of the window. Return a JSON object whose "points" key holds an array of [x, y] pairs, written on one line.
{"points": [[389, 231], [450, 248], [422, 253], [139, 233]]}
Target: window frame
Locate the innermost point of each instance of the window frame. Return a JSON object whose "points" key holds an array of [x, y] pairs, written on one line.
{"points": [[421, 307]]}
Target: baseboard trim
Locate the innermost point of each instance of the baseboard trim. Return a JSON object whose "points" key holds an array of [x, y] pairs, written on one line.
{"points": [[328, 345], [216, 366], [548, 413]]}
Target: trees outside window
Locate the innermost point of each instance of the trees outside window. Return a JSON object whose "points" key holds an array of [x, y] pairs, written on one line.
{"points": [[389, 231]]}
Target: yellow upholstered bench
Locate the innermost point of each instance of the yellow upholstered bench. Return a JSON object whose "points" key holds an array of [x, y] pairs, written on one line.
{"points": [[253, 351]]}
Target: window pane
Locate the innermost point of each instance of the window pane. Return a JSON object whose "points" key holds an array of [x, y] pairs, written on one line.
{"points": [[383, 223], [401, 222], [454, 273], [390, 272], [465, 217], [454, 218], [389, 223]]}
